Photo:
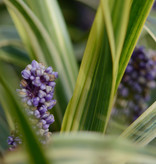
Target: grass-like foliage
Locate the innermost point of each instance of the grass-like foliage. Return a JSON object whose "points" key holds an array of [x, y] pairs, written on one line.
{"points": [[85, 97]]}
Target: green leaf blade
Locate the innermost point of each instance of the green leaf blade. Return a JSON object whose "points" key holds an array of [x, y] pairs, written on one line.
{"points": [[16, 111], [143, 130], [150, 26], [89, 148], [45, 47], [92, 101], [138, 14]]}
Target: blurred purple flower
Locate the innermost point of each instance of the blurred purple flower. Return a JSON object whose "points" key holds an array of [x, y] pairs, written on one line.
{"points": [[138, 80]]}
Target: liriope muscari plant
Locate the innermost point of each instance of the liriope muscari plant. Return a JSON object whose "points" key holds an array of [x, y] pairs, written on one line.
{"points": [[137, 82], [37, 91]]}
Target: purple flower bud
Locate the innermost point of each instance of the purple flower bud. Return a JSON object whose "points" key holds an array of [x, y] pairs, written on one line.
{"points": [[14, 144], [124, 92], [22, 92], [42, 109], [42, 100], [51, 104], [46, 126], [50, 119], [43, 122], [43, 86], [32, 77], [137, 87], [26, 74], [29, 112], [55, 74], [129, 69], [37, 82], [39, 72], [150, 63], [49, 97], [149, 76], [48, 89], [46, 77], [37, 114], [51, 93], [29, 102], [41, 94], [49, 70], [142, 65], [52, 83], [36, 101], [44, 116], [34, 64]]}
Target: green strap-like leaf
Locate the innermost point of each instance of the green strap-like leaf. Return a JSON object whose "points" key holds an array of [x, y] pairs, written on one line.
{"points": [[4, 130], [88, 148], [150, 26], [143, 130], [11, 47], [43, 47], [109, 27], [14, 55], [9, 37], [91, 104], [99, 76], [51, 17], [138, 14], [34, 149]]}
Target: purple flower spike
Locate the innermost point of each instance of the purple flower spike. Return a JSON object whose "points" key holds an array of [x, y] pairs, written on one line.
{"points": [[37, 89], [137, 82]]}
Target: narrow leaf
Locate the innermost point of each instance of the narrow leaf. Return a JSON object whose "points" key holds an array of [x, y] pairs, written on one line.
{"points": [[4, 131], [143, 130], [138, 14], [150, 26], [34, 149], [89, 148], [91, 104], [14, 56], [45, 48]]}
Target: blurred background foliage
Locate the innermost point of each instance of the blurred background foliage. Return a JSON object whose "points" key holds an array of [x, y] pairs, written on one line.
{"points": [[79, 16]]}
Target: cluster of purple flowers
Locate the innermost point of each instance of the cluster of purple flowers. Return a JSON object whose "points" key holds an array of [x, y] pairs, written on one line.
{"points": [[14, 140], [137, 82], [37, 90]]}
